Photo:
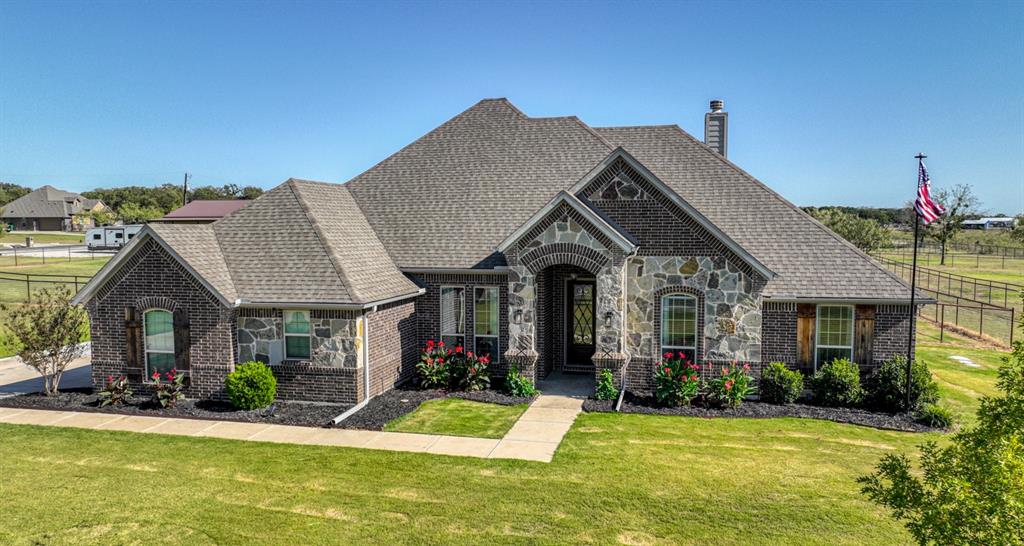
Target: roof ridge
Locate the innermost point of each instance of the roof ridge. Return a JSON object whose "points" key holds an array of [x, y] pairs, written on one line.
{"points": [[293, 185], [793, 207], [591, 130], [655, 125]]}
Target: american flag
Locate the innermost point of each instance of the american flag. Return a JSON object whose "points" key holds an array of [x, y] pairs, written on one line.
{"points": [[927, 209]]}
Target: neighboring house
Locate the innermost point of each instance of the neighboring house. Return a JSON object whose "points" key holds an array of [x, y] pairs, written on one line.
{"points": [[50, 209], [544, 242], [996, 222], [203, 211]]}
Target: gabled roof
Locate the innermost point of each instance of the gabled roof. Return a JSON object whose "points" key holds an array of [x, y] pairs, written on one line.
{"points": [[623, 240], [47, 202], [302, 243], [450, 198], [213, 209]]}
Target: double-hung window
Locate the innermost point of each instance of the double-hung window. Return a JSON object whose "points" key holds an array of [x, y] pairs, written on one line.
{"points": [[296, 335], [453, 315], [834, 334], [485, 321], [159, 341], [679, 325]]}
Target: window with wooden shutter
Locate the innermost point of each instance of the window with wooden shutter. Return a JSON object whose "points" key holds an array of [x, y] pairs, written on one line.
{"points": [[805, 319], [863, 333], [132, 334], [182, 339]]}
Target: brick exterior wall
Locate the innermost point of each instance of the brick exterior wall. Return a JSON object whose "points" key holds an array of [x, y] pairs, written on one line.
{"points": [[778, 333], [394, 345], [306, 382], [892, 326], [151, 278], [428, 310]]}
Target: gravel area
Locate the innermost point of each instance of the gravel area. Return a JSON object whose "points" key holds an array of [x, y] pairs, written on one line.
{"points": [[404, 399], [647, 405], [281, 413]]}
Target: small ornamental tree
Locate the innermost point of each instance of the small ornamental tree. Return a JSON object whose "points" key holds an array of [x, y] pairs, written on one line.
{"points": [[677, 381], [48, 332], [970, 491]]}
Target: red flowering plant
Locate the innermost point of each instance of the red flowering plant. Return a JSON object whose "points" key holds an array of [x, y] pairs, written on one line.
{"points": [[168, 394], [117, 392], [469, 372], [434, 367], [677, 381], [732, 386]]}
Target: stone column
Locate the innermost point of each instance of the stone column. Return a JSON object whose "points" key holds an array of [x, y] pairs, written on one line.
{"points": [[522, 320]]}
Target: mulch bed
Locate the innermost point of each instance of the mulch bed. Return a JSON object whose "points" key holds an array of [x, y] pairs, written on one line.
{"points": [[281, 413], [647, 405], [404, 399]]}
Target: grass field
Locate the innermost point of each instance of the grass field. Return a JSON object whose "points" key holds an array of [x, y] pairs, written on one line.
{"points": [[981, 267], [960, 386], [459, 418], [616, 479], [16, 291], [39, 237]]}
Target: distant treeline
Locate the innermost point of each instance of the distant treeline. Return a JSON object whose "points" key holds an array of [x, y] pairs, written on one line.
{"points": [[884, 216]]}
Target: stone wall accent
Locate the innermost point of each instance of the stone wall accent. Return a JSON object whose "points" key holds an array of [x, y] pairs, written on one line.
{"points": [[892, 327], [152, 278], [394, 345], [333, 335], [731, 322], [258, 329], [778, 333]]}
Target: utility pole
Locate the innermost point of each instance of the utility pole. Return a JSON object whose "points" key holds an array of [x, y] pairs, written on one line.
{"points": [[184, 190]]}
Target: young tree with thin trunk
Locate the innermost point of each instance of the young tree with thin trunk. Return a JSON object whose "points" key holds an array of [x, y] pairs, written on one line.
{"points": [[960, 204], [48, 333]]}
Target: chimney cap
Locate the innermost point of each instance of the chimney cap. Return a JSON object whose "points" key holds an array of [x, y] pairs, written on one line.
{"points": [[717, 105]]}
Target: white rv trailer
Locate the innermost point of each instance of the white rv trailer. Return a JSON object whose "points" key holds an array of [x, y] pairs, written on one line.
{"points": [[110, 237]]}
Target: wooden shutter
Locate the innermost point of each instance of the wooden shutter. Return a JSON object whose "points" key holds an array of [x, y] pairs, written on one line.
{"points": [[132, 337], [863, 332], [182, 339], [805, 316]]}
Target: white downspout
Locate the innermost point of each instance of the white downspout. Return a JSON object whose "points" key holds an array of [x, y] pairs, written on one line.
{"points": [[365, 342]]}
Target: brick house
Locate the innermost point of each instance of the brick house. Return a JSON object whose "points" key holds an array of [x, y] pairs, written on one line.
{"points": [[551, 245], [50, 209]]}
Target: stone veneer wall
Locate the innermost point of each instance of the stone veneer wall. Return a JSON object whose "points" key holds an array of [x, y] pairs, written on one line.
{"points": [[152, 278], [333, 374]]}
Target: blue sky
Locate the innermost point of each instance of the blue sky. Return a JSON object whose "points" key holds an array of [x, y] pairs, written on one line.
{"points": [[828, 102]]}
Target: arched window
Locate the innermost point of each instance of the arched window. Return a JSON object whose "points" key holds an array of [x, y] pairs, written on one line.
{"points": [[158, 325], [679, 325]]}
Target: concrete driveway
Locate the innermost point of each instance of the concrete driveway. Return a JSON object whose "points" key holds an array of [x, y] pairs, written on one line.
{"points": [[17, 378]]}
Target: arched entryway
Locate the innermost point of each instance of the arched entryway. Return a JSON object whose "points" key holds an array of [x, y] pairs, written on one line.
{"points": [[566, 319]]}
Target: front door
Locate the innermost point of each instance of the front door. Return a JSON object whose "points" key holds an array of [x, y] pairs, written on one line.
{"points": [[580, 326]]}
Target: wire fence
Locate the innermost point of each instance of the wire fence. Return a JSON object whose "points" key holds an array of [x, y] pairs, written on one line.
{"points": [[42, 255], [20, 287], [977, 256], [985, 308]]}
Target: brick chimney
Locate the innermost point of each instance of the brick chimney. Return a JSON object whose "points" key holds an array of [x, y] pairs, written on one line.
{"points": [[716, 128]]}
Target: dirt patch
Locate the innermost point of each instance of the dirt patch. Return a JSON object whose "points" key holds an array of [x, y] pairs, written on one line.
{"points": [[647, 405], [404, 399], [281, 413]]}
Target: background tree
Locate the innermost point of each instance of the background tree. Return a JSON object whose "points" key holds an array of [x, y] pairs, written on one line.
{"points": [[165, 197], [971, 491], [9, 192], [866, 234], [960, 205], [48, 332], [1018, 231], [131, 213], [227, 191]]}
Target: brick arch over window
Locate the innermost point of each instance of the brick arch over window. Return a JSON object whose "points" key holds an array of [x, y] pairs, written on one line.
{"points": [[537, 259], [156, 302], [679, 290]]}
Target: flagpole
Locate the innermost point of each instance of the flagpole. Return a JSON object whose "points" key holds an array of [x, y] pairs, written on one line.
{"points": [[913, 287]]}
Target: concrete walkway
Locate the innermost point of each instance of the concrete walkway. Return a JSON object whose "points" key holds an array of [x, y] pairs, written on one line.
{"points": [[17, 378], [534, 437]]}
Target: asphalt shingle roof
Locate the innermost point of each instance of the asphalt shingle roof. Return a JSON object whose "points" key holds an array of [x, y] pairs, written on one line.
{"points": [[47, 202], [197, 245], [448, 199]]}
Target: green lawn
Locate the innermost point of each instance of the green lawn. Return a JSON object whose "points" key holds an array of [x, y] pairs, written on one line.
{"points": [[983, 267], [18, 237], [16, 291], [616, 479], [459, 418], [960, 386]]}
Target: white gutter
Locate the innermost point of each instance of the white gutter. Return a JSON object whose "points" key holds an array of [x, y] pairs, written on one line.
{"points": [[500, 270], [328, 305]]}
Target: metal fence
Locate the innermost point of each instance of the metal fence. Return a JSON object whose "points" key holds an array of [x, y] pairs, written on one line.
{"points": [[987, 309], [23, 256], [961, 254], [19, 287]]}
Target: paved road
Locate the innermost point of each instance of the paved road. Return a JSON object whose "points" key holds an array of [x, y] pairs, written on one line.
{"points": [[56, 251]]}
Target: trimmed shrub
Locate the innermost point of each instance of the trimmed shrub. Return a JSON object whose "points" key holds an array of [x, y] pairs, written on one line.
{"points": [[732, 387], [837, 383], [779, 384], [251, 386], [516, 384], [887, 390], [605, 389], [677, 381], [934, 415]]}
